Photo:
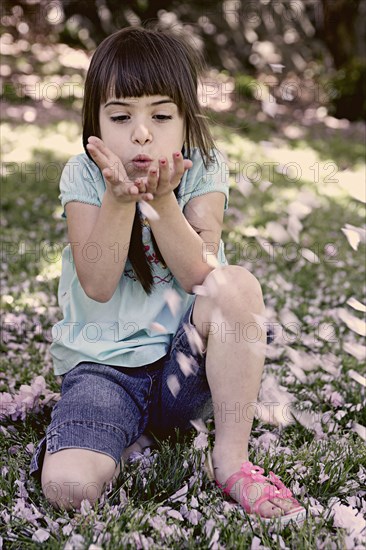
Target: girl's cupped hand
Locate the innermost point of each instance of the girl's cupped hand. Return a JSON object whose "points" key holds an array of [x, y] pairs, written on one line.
{"points": [[158, 182], [115, 175], [164, 179]]}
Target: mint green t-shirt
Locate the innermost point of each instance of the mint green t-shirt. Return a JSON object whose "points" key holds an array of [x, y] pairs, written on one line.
{"points": [[119, 332]]}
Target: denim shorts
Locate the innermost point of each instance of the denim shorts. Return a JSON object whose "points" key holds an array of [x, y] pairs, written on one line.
{"points": [[106, 408]]}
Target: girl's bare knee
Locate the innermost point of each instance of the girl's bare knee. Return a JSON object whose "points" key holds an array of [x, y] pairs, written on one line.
{"points": [[238, 283], [71, 475]]}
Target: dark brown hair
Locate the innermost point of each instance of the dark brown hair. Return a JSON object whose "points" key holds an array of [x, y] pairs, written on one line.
{"points": [[138, 61]]}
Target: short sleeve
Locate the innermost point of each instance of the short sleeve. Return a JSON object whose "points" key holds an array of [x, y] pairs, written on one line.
{"points": [[80, 181], [201, 180]]}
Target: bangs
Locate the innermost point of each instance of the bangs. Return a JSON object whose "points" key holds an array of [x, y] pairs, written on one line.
{"points": [[136, 62], [138, 69]]}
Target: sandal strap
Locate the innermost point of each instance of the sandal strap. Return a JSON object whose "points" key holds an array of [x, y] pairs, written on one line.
{"points": [[253, 473], [266, 496], [247, 470]]}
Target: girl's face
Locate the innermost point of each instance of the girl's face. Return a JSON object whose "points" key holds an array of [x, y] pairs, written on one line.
{"points": [[150, 126]]}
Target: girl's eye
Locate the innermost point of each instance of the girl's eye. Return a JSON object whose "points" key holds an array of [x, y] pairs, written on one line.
{"points": [[163, 117], [119, 118], [123, 118]]}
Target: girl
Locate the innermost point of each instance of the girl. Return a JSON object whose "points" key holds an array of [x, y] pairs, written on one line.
{"points": [[153, 331]]}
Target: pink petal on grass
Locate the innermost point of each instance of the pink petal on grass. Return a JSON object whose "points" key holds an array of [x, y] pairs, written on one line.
{"points": [[315, 507], [294, 226], [271, 393], [41, 535], [266, 441], [298, 373], [30, 448], [85, 507], [180, 495], [23, 510], [256, 542], [148, 211], [356, 304], [304, 360], [193, 516], [347, 518], [267, 246], [173, 384], [310, 256], [309, 420], [212, 533], [175, 514], [289, 321], [38, 385], [331, 364], [357, 350], [323, 478], [53, 396], [359, 429], [67, 529], [7, 405], [158, 327], [326, 332], [298, 208], [357, 377], [352, 322], [200, 441], [277, 232], [336, 399], [173, 300]]}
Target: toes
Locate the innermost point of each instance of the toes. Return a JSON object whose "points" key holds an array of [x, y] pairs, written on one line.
{"points": [[269, 510], [276, 507], [284, 504]]}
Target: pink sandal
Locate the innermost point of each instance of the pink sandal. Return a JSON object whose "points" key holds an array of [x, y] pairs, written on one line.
{"points": [[278, 490]]}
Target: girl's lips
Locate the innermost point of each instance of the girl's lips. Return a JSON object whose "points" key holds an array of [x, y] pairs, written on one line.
{"points": [[142, 164]]}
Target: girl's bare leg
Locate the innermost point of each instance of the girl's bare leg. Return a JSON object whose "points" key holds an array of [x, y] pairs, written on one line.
{"points": [[234, 368]]}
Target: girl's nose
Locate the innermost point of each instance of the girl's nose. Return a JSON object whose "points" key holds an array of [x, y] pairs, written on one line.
{"points": [[141, 134]]}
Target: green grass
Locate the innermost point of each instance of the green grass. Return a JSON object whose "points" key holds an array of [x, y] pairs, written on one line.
{"points": [[31, 222]]}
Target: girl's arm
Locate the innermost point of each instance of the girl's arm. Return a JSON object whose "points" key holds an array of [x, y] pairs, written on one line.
{"points": [[188, 242], [100, 236], [189, 256], [99, 239]]}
